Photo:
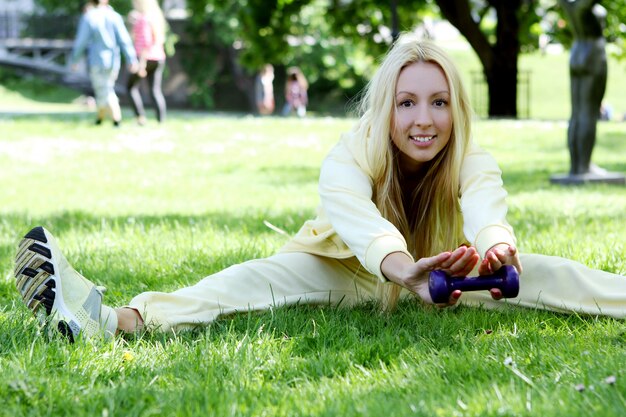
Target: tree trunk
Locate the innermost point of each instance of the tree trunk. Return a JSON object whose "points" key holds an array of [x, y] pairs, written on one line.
{"points": [[502, 77], [243, 81], [499, 60], [502, 89]]}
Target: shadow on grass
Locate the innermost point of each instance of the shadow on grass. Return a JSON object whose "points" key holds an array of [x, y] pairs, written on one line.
{"points": [[191, 268], [36, 89], [517, 180], [251, 221], [328, 342], [47, 116]]}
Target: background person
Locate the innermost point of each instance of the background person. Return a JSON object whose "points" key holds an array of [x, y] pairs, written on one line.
{"points": [[296, 97], [102, 35], [405, 192], [264, 90], [148, 32]]}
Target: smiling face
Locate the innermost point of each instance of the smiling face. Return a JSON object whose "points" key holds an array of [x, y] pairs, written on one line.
{"points": [[421, 124]]}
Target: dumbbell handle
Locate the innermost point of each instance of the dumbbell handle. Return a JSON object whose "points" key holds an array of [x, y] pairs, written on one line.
{"points": [[441, 285]]}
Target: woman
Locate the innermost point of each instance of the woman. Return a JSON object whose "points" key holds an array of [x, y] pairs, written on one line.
{"points": [[406, 183], [264, 90], [148, 31]]}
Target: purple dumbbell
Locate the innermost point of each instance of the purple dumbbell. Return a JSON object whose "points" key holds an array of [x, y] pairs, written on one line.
{"points": [[441, 285]]}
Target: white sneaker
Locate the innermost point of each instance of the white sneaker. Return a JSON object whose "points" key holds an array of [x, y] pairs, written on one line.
{"points": [[58, 295]]}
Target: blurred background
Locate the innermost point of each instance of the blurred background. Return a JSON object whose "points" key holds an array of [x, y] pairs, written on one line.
{"points": [[513, 54]]}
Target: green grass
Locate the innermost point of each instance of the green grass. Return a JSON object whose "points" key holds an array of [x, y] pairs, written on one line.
{"points": [[548, 84], [161, 207]]}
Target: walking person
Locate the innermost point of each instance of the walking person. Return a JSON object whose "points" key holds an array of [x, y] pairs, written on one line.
{"points": [[264, 90], [405, 192], [148, 33], [103, 37], [296, 92]]}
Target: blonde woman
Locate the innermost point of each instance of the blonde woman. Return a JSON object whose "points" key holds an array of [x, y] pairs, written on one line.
{"points": [[404, 193], [148, 32]]}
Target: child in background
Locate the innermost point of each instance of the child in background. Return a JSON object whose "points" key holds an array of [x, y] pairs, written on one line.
{"points": [[296, 97]]}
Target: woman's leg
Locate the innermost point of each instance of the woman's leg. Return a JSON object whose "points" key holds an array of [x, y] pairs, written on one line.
{"points": [[282, 279], [57, 294], [134, 81], [287, 109], [72, 304], [562, 285], [155, 79]]}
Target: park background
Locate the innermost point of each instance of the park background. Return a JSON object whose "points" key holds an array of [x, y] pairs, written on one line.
{"points": [[216, 49], [161, 206]]}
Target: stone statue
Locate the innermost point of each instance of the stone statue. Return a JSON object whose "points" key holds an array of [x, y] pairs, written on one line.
{"points": [[588, 75]]}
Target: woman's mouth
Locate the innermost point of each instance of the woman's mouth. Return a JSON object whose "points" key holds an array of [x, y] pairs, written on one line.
{"points": [[422, 139]]}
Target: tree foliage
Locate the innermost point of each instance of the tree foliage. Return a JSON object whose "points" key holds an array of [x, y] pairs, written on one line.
{"points": [[250, 33], [557, 28], [337, 42]]}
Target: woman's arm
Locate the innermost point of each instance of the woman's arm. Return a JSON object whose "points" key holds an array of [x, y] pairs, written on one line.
{"points": [[484, 208], [346, 194]]}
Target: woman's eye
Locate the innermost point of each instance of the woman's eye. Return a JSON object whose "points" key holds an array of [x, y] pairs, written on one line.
{"points": [[440, 102], [406, 103]]}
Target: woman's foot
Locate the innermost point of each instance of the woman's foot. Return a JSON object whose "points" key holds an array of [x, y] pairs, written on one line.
{"points": [[59, 296], [129, 320]]}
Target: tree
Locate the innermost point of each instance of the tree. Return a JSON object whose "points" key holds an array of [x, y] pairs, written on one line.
{"points": [[615, 31], [499, 57], [337, 42], [497, 47], [249, 33]]}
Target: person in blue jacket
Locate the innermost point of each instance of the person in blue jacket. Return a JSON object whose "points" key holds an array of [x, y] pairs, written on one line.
{"points": [[103, 37]]}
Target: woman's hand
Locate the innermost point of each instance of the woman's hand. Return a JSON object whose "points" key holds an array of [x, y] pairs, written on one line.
{"points": [[414, 276], [495, 258], [498, 256]]}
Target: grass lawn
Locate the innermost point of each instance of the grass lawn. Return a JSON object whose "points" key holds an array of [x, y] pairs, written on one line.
{"points": [[161, 207], [548, 84]]}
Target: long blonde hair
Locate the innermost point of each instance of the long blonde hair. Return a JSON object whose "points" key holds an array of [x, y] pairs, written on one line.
{"points": [[152, 10], [434, 222]]}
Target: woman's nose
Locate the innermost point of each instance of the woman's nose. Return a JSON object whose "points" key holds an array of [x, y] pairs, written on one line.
{"points": [[422, 116]]}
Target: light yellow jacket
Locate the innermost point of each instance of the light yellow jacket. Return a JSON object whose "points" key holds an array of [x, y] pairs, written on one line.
{"points": [[349, 224]]}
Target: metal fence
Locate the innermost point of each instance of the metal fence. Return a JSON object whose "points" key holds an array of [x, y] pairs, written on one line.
{"points": [[11, 25], [480, 97], [14, 24]]}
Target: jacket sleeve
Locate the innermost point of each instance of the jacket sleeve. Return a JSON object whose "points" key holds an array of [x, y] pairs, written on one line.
{"points": [[124, 41], [80, 43], [346, 196], [483, 201]]}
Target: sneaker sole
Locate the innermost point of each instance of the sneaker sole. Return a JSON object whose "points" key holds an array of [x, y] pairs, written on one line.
{"points": [[38, 284]]}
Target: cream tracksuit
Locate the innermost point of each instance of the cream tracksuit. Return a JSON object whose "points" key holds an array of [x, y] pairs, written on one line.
{"points": [[336, 258]]}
